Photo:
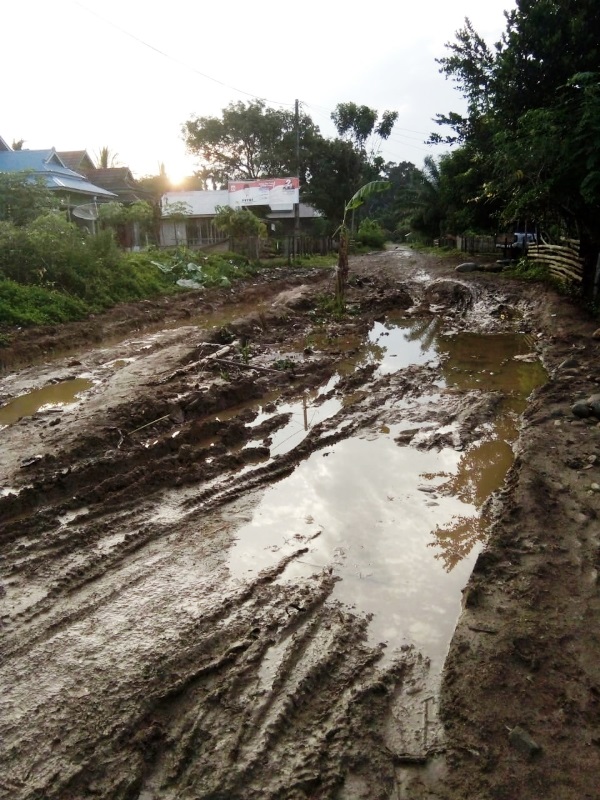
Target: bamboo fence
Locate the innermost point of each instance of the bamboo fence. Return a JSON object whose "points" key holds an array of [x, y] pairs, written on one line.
{"points": [[562, 260]]}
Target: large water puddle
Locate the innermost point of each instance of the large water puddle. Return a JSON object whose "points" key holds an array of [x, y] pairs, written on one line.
{"points": [[58, 395], [399, 525]]}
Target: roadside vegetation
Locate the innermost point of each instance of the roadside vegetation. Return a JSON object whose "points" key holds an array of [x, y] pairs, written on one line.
{"points": [[52, 271], [523, 156]]}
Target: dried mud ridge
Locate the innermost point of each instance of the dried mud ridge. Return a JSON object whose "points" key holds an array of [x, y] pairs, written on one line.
{"points": [[134, 664]]}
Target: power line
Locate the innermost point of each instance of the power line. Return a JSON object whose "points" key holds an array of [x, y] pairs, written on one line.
{"points": [[176, 60]]}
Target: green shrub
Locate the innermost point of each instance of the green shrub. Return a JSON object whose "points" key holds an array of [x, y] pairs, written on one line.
{"points": [[35, 305], [371, 234]]}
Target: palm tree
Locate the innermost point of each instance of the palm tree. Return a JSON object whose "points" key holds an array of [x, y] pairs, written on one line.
{"points": [[106, 158]]}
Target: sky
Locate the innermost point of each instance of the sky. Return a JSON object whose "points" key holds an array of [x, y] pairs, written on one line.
{"points": [[126, 74]]}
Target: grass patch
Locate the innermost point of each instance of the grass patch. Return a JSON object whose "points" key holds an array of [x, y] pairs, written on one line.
{"points": [[529, 271], [35, 305]]}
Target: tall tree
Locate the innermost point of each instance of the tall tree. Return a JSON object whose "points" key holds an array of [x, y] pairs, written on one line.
{"points": [[533, 115], [249, 141], [106, 158], [334, 171], [358, 124]]}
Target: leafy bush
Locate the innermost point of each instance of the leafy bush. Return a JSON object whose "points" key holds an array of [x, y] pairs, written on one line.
{"points": [[240, 223], [371, 234], [34, 305], [189, 269]]}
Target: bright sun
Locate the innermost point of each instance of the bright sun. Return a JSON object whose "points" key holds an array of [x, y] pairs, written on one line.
{"points": [[178, 169]]}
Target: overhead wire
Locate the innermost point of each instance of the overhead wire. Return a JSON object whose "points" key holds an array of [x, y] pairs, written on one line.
{"points": [[176, 60], [321, 111]]}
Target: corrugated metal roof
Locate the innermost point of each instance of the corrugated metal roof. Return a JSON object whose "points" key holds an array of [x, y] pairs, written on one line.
{"points": [[47, 165], [76, 185]]}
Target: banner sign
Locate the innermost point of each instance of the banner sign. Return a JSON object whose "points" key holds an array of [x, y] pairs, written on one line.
{"points": [[274, 192]]}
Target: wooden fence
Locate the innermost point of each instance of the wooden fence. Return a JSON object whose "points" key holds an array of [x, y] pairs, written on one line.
{"points": [[476, 244], [562, 260], [286, 247]]}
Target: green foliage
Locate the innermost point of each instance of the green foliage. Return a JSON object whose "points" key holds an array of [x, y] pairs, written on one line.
{"points": [[533, 118], [284, 364], [191, 270], [335, 169], [249, 141], [106, 158], [24, 197], [371, 234], [239, 224], [529, 271], [35, 305], [114, 214], [366, 191], [358, 123], [178, 211]]}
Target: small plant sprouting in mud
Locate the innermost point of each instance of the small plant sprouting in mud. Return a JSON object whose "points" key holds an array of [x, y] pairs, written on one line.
{"points": [[330, 306], [224, 375], [226, 336], [245, 352], [283, 364]]}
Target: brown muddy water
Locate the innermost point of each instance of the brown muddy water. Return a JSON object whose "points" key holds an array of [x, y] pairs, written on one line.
{"points": [[57, 395], [399, 525]]}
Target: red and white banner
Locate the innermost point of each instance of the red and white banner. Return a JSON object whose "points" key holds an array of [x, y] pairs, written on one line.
{"points": [[264, 192]]}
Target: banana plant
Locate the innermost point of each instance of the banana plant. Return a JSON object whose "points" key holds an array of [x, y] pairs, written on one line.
{"points": [[360, 197]]}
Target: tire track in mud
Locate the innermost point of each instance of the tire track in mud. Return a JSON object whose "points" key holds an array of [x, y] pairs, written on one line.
{"points": [[147, 670]]}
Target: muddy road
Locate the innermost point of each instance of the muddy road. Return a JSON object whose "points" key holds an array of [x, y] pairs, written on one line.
{"points": [[250, 550]]}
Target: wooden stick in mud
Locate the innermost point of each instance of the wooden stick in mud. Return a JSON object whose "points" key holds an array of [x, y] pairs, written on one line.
{"points": [[245, 366], [196, 364]]}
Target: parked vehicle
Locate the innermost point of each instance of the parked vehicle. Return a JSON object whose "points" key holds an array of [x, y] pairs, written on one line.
{"points": [[518, 244]]}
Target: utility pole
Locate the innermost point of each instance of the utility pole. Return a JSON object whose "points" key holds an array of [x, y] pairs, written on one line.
{"points": [[297, 205]]}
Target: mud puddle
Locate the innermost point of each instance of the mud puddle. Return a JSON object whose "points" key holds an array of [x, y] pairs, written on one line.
{"points": [[56, 396], [398, 525]]}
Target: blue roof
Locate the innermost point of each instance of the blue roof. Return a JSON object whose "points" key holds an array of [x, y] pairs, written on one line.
{"points": [[76, 185], [46, 164]]}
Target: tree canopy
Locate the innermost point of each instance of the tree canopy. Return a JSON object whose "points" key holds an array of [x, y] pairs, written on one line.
{"points": [[249, 141], [23, 197], [531, 128]]}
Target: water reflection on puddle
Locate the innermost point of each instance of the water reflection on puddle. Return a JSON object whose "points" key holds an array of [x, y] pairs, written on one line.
{"points": [[400, 526], [58, 394]]}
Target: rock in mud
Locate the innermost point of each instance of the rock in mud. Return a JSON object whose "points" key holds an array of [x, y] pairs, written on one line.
{"points": [[581, 409], [468, 266], [523, 742], [587, 408]]}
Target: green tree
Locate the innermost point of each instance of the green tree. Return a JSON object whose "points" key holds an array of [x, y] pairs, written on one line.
{"points": [[533, 116], [334, 169], [358, 124], [250, 140], [23, 197], [239, 224], [158, 184]]}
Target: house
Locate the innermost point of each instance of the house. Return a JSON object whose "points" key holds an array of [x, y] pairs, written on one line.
{"points": [[73, 188], [117, 180], [187, 218]]}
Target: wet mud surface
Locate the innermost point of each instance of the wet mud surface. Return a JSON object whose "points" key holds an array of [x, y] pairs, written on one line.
{"points": [[250, 550]]}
